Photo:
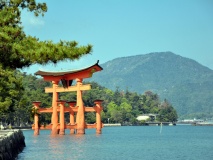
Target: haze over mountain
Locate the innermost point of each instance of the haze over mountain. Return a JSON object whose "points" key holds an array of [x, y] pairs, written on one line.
{"points": [[184, 82]]}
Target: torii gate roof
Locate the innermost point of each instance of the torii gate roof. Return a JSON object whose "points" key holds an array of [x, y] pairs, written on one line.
{"points": [[70, 74]]}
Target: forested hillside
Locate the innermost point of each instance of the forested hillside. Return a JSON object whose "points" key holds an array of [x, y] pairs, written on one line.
{"points": [[119, 107], [184, 82]]}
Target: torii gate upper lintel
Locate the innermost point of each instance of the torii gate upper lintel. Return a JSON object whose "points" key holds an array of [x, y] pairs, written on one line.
{"points": [[66, 77]]}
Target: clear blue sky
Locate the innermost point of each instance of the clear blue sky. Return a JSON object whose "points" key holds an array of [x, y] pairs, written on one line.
{"points": [[120, 28]]}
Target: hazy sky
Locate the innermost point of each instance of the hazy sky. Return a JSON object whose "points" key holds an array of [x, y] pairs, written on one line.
{"points": [[120, 28]]}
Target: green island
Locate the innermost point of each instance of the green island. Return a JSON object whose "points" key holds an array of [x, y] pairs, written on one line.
{"points": [[120, 106]]}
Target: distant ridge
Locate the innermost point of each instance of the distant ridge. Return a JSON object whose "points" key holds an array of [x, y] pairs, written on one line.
{"points": [[187, 84]]}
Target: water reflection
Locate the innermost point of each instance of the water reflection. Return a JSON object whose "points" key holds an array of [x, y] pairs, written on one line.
{"points": [[60, 146]]}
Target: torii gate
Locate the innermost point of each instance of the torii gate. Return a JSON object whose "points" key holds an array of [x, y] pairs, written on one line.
{"points": [[66, 77]]}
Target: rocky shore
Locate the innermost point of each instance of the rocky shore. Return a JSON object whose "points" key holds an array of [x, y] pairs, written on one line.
{"points": [[12, 142]]}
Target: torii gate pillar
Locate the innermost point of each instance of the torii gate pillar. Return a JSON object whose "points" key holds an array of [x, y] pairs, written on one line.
{"points": [[62, 121], [72, 116], [99, 108], [36, 120], [54, 105], [80, 114]]}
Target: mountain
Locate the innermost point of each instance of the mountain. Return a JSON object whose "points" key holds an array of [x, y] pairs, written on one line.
{"points": [[184, 82]]}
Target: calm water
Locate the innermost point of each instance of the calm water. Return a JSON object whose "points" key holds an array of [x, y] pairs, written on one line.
{"points": [[126, 143]]}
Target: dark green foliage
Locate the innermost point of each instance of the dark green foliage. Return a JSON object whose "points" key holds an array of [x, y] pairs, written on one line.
{"points": [[11, 91], [124, 107], [184, 82], [167, 112]]}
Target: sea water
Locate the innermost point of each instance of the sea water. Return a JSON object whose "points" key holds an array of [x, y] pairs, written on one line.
{"points": [[181, 142]]}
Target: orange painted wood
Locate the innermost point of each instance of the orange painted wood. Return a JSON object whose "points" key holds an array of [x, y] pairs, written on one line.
{"points": [[55, 112], [72, 115], [80, 119], [69, 89], [98, 116], [36, 120], [62, 121], [77, 122]]}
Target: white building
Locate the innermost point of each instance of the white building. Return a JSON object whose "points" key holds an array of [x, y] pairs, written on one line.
{"points": [[145, 117]]}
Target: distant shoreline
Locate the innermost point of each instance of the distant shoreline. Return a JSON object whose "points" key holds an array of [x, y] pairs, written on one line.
{"points": [[111, 125]]}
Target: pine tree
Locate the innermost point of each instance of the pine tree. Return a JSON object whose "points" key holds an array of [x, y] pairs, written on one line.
{"points": [[17, 50]]}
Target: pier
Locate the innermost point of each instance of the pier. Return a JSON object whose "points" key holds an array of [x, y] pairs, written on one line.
{"points": [[160, 123], [111, 125]]}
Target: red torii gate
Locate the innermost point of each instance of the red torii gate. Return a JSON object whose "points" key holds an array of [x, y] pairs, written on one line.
{"points": [[66, 77]]}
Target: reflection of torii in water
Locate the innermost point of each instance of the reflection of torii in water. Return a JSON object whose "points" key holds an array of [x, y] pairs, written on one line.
{"points": [[66, 77]]}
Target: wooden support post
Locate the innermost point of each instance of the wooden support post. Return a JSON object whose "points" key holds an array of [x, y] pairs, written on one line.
{"points": [[36, 119], [80, 114], [54, 105], [98, 115], [62, 121], [72, 116]]}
